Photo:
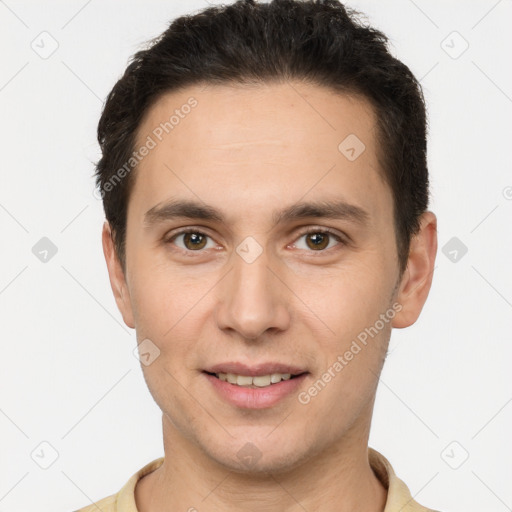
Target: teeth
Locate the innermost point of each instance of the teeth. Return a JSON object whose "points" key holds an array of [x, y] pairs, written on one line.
{"points": [[260, 381], [242, 380]]}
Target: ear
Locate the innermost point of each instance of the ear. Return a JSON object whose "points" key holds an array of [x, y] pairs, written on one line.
{"points": [[116, 276], [417, 277]]}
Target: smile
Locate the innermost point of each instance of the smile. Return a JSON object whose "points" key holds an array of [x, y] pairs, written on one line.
{"points": [[259, 381], [254, 392]]}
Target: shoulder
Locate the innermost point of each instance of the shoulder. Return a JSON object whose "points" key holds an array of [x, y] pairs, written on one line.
{"points": [[399, 498], [124, 500], [107, 504]]}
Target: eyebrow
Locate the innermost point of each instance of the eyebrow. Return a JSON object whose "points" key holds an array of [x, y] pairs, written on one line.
{"points": [[187, 209]]}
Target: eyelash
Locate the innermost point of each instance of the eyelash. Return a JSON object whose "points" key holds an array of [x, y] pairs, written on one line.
{"points": [[323, 231]]}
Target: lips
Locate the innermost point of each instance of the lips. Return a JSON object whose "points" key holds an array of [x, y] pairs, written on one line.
{"points": [[260, 391]]}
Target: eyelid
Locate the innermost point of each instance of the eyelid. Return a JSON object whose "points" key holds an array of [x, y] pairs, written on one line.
{"points": [[341, 238], [189, 229]]}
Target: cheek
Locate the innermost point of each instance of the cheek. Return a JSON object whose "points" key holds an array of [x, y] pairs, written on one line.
{"points": [[162, 296], [352, 306], [172, 309], [343, 301], [167, 311], [353, 356]]}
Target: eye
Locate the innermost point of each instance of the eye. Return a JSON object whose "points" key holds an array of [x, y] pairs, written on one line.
{"points": [[192, 240], [319, 240], [316, 240]]}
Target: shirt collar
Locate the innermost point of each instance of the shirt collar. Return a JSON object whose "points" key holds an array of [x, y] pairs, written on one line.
{"points": [[399, 497]]}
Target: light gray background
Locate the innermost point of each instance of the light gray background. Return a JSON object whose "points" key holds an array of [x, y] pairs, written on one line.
{"points": [[68, 376]]}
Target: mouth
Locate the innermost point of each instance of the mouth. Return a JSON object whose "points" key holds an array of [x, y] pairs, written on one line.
{"points": [[254, 381], [254, 388]]}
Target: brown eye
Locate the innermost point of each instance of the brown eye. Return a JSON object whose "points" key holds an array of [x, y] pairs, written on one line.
{"points": [[194, 241], [191, 241], [317, 240]]}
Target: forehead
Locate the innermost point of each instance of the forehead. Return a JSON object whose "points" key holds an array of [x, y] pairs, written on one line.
{"points": [[257, 145]]}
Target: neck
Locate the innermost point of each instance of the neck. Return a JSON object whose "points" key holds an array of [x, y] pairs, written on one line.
{"points": [[339, 479]]}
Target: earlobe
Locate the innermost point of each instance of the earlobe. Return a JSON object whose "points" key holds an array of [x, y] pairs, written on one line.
{"points": [[116, 276], [417, 278]]}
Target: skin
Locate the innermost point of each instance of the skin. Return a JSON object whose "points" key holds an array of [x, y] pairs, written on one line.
{"points": [[249, 151]]}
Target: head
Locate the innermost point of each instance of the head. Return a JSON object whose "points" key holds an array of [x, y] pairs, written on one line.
{"points": [[257, 123]]}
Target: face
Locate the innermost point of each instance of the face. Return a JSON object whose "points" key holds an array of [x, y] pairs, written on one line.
{"points": [[236, 265]]}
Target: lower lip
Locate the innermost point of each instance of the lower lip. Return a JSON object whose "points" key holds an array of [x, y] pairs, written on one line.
{"points": [[255, 398]]}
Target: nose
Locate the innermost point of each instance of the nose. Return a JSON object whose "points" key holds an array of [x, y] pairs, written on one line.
{"points": [[253, 299]]}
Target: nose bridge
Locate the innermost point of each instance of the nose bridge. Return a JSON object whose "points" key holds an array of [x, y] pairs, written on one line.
{"points": [[252, 298]]}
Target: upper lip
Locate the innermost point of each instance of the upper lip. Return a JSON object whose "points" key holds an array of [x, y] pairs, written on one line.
{"points": [[254, 370]]}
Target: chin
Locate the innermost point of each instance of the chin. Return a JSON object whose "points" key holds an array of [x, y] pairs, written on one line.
{"points": [[259, 456]]}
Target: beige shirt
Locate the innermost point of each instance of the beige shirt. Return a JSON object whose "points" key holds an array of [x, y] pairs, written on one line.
{"points": [[399, 497]]}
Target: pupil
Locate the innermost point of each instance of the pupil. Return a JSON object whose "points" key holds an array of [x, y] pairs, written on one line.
{"points": [[196, 240], [318, 240]]}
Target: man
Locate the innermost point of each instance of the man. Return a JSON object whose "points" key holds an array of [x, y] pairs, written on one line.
{"points": [[264, 180]]}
